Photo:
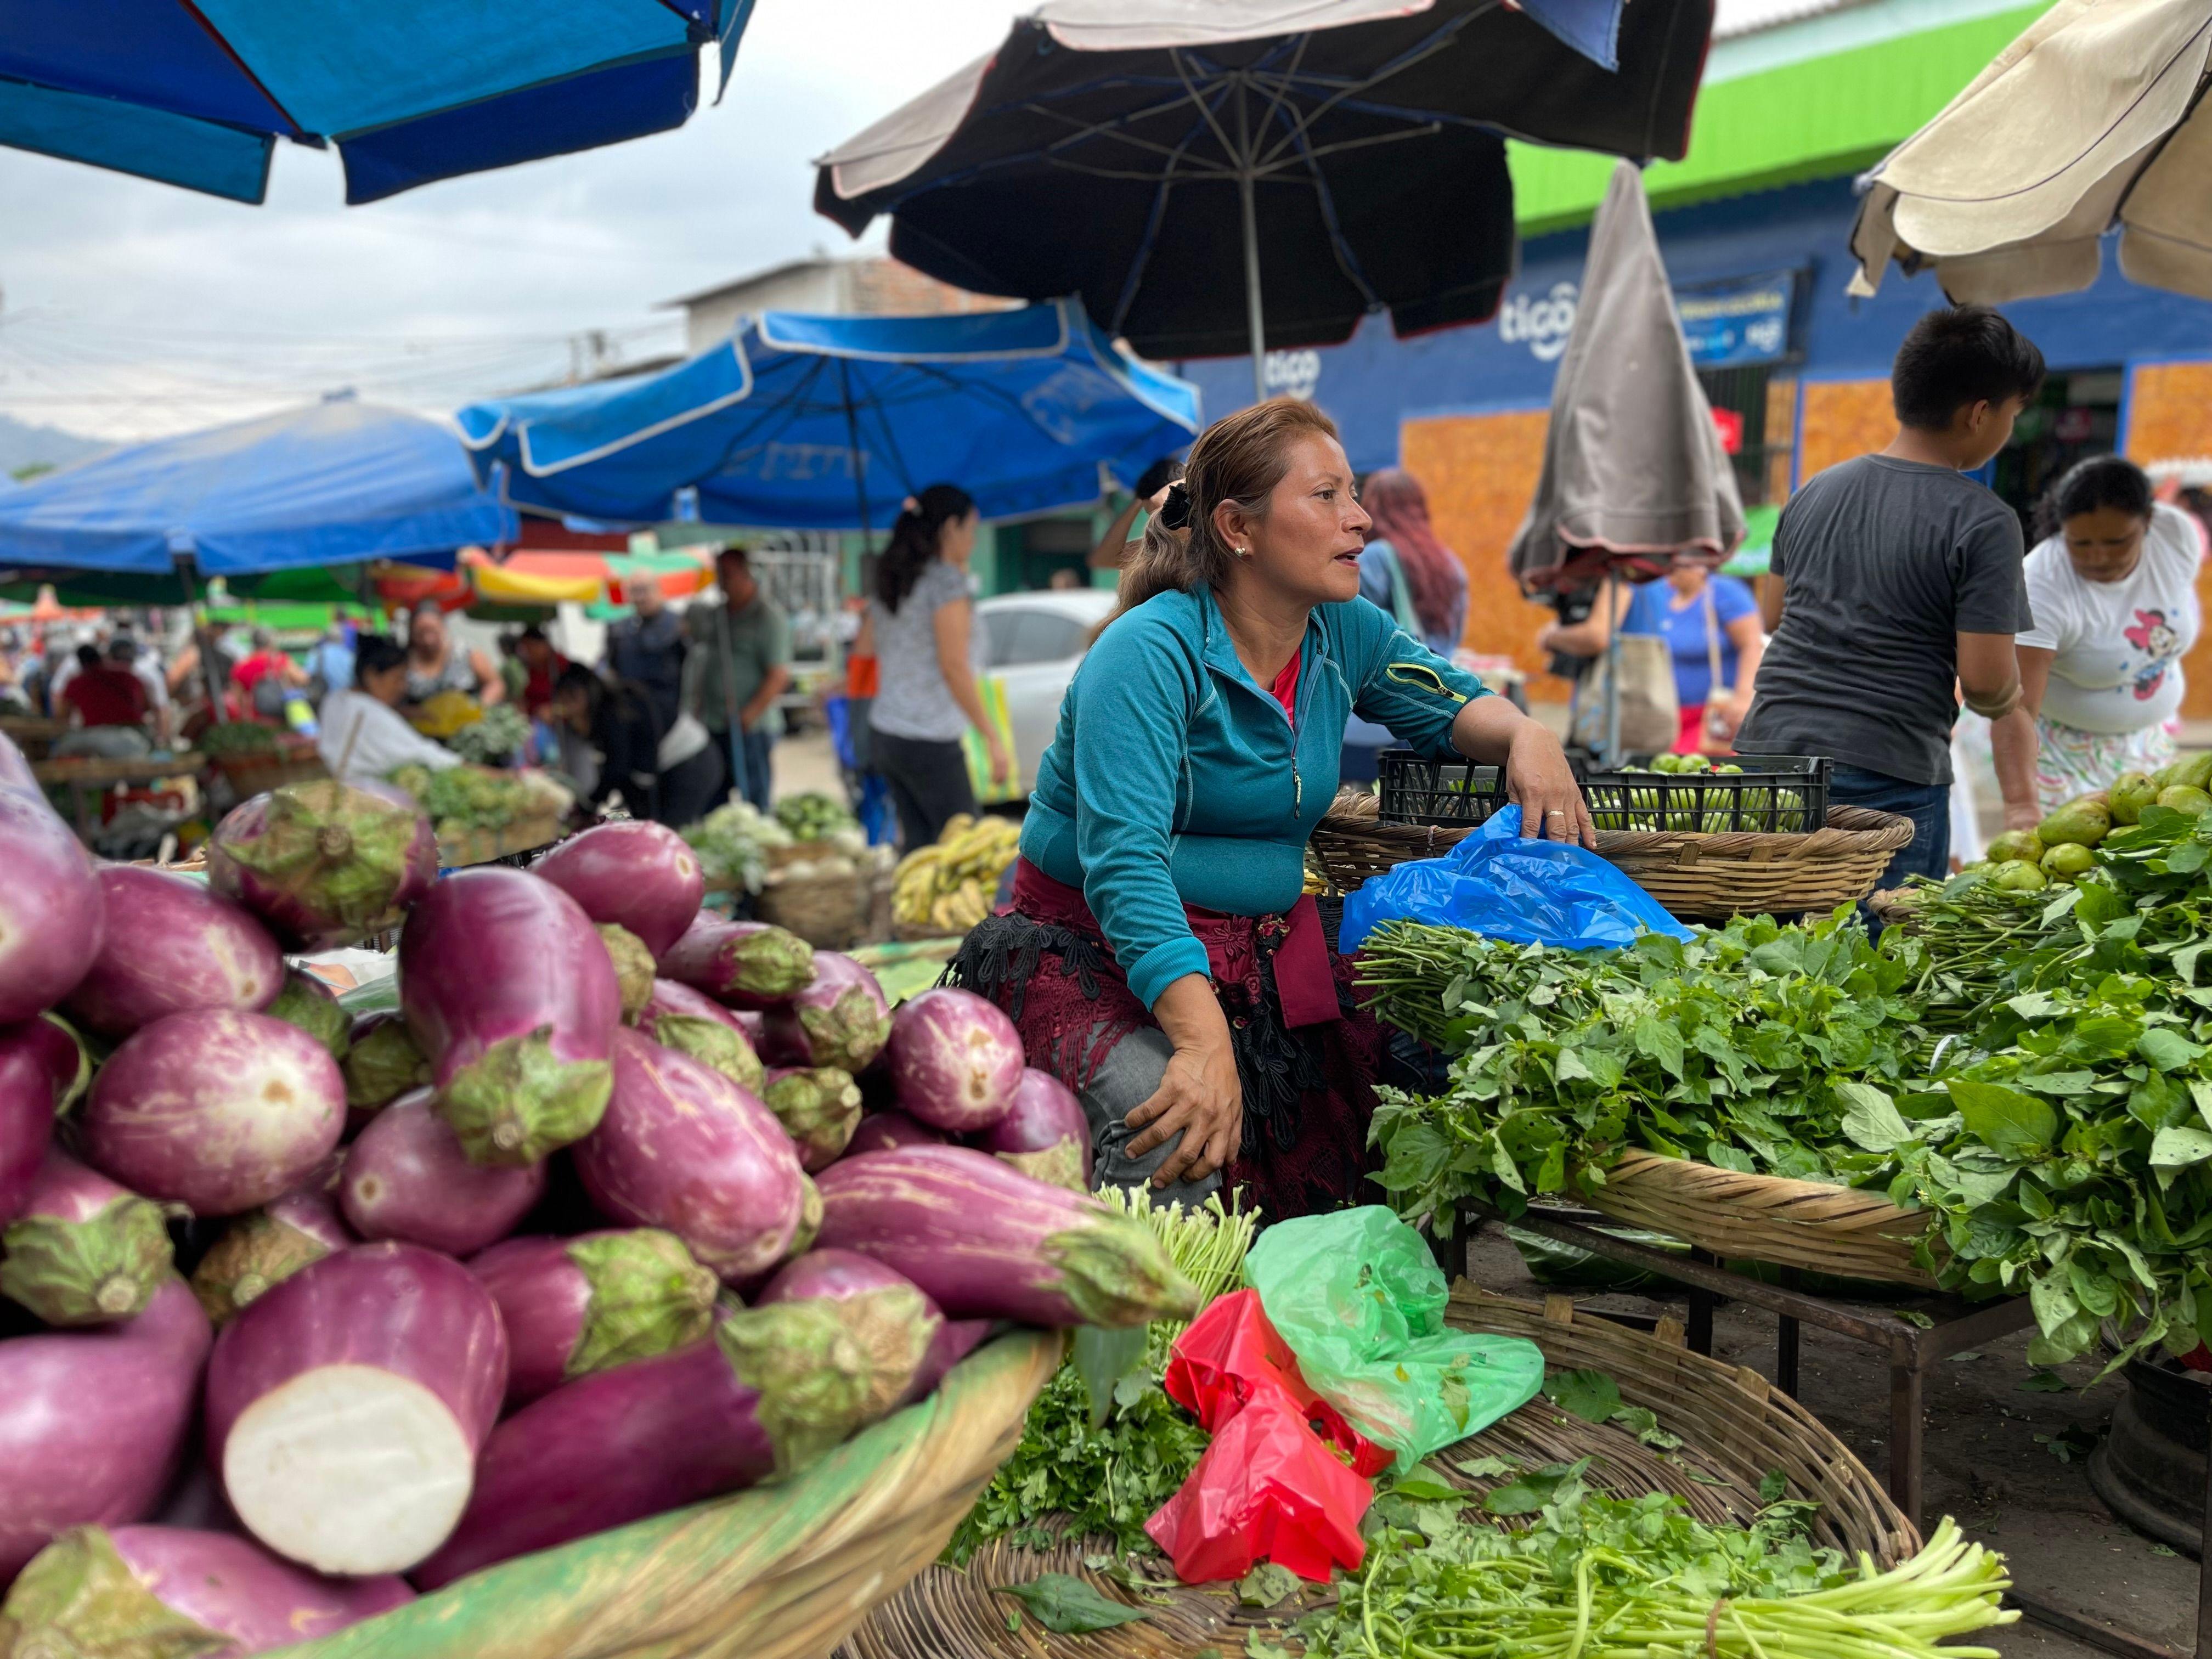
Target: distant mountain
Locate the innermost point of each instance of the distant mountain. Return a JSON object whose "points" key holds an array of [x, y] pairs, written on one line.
{"points": [[23, 444]]}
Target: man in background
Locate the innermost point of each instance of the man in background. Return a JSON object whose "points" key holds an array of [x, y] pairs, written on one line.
{"points": [[105, 707], [646, 648], [1902, 585], [739, 663]]}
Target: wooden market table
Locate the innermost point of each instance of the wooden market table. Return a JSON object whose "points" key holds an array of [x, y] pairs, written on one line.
{"points": [[78, 772]]}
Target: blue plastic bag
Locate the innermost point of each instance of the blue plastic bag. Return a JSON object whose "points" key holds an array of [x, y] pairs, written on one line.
{"points": [[1500, 884]]}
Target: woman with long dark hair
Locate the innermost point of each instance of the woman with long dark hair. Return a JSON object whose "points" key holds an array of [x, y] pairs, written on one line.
{"points": [[1159, 958], [921, 628], [2112, 587], [1414, 577]]}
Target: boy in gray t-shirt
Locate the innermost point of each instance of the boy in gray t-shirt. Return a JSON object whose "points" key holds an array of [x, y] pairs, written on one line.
{"points": [[1901, 580]]}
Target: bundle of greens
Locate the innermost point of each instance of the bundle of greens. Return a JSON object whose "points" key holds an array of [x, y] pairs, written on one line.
{"points": [[733, 842], [1103, 1470], [500, 733], [1599, 1577], [239, 737], [2063, 1144], [462, 798]]}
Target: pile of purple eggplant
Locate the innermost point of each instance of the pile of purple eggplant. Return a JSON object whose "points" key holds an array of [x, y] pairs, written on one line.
{"points": [[594, 1226]]}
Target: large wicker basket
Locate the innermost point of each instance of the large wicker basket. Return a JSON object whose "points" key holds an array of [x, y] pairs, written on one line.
{"points": [[1735, 1428], [1838, 1230], [250, 773], [781, 1573], [1698, 878], [830, 913]]}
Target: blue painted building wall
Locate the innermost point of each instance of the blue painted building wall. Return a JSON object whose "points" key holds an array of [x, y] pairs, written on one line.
{"points": [[1375, 381]]}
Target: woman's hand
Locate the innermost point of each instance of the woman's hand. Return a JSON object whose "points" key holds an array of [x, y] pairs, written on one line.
{"points": [[2022, 815], [1723, 714], [1538, 777], [1002, 761], [1200, 1097]]}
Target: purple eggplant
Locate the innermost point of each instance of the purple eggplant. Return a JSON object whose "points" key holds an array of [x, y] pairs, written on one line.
{"points": [[311, 1006], [346, 1407], [54, 910], [322, 864], [836, 1328], [956, 1060], [840, 1018], [407, 1178], [574, 1306], [677, 1017], [772, 1390], [172, 945], [511, 998], [92, 1422], [747, 964], [879, 1131], [1044, 1132], [988, 1242], [819, 1108], [84, 1251], [638, 875], [267, 1246], [218, 1111], [43, 1068], [683, 1148], [382, 1063], [128, 1592]]}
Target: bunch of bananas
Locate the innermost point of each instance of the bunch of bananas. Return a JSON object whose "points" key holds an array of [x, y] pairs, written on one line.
{"points": [[446, 712], [949, 886]]}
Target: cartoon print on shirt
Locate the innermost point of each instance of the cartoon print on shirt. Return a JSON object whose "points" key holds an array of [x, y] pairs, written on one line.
{"points": [[2154, 637]]}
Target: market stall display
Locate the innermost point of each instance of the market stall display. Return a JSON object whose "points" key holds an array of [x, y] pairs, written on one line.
{"points": [[375, 1406]]}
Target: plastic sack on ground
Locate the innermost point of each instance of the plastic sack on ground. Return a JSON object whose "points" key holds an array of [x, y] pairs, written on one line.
{"points": [[1268, 1489], [1230, 1355], [1361, 1302], [1498, 883]]}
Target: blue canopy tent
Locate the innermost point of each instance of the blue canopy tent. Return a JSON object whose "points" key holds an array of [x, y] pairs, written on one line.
{"points": [[196, 95], [808, 422], [336, 483]]}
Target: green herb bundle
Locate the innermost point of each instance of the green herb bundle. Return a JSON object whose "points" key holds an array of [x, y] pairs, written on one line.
{"points": [[1600, 1577], [503, 731]]}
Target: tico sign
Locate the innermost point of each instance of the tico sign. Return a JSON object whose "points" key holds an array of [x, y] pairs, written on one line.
{"points": [[1726, 324]]}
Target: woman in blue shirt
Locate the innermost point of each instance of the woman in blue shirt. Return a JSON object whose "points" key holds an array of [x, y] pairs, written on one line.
{"points": [[1159, 958], [1704, 619]]}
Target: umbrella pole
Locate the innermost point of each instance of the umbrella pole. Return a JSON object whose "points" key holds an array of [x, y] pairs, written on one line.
{"points": [[1255, 314], [1610, 599], [209, 671]]}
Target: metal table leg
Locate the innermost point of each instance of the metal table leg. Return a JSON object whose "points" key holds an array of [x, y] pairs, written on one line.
{"points": [[1702, 1303]]}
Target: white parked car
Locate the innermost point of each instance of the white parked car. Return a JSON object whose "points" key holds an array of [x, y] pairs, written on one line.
{"points": [[1032, 643]]}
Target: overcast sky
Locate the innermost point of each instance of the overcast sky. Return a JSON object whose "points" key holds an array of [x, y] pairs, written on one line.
{"points": [[129, 309]]}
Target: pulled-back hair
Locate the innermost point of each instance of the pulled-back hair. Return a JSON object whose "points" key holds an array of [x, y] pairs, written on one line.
{"points": [[2100, 481], [1240, 459], [913, 542]]}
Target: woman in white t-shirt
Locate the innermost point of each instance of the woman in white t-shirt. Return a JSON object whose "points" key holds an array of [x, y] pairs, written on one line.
{"points": [[2113, 590]]}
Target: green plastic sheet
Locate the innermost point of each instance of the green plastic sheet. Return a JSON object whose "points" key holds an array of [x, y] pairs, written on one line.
{"points": [[1361, 1302]]}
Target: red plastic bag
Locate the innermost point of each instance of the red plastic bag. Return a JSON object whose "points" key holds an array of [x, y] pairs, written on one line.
{"points": [[1230, 1354], [1267, 1488]]}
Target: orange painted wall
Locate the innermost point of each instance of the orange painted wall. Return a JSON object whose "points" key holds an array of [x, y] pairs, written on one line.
{"points": [[1480, 473], [2169, 416], [1843, 418]]}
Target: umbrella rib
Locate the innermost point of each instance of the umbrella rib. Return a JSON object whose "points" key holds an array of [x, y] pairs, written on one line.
{"points": [[1133, 278], [1428, 47], [1325, 199], [1306, 154]]}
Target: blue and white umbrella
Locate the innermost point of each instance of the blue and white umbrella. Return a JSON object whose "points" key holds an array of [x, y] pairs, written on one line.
{"points": [[810, 422], [196, 95]]}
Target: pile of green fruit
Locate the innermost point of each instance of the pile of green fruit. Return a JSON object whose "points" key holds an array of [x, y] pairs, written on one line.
{"points": [[1693, 809], [2058, 850]]}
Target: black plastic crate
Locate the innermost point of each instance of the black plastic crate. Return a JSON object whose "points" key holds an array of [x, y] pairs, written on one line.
{"points": [[1418, 790], [1785, 794]]}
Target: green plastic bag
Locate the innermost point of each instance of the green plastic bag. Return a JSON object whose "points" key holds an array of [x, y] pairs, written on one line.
{"points": [[1361, 1302]]}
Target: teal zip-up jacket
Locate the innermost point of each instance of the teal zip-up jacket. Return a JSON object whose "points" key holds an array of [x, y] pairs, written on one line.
{"points": [[1175, 778]]}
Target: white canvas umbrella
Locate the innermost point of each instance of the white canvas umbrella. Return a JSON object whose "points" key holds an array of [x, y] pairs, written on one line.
{"points": [[2094, 116]]}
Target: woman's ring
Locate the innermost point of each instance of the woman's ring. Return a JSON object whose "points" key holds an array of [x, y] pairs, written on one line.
{"points": [[1555, 813]]}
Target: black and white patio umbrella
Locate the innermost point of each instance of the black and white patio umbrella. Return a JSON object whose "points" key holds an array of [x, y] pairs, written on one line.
{"points": [[1219, 176]]}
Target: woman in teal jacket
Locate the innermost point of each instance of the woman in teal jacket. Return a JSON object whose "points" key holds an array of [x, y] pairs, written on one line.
{"points": [[1159, 958]]}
